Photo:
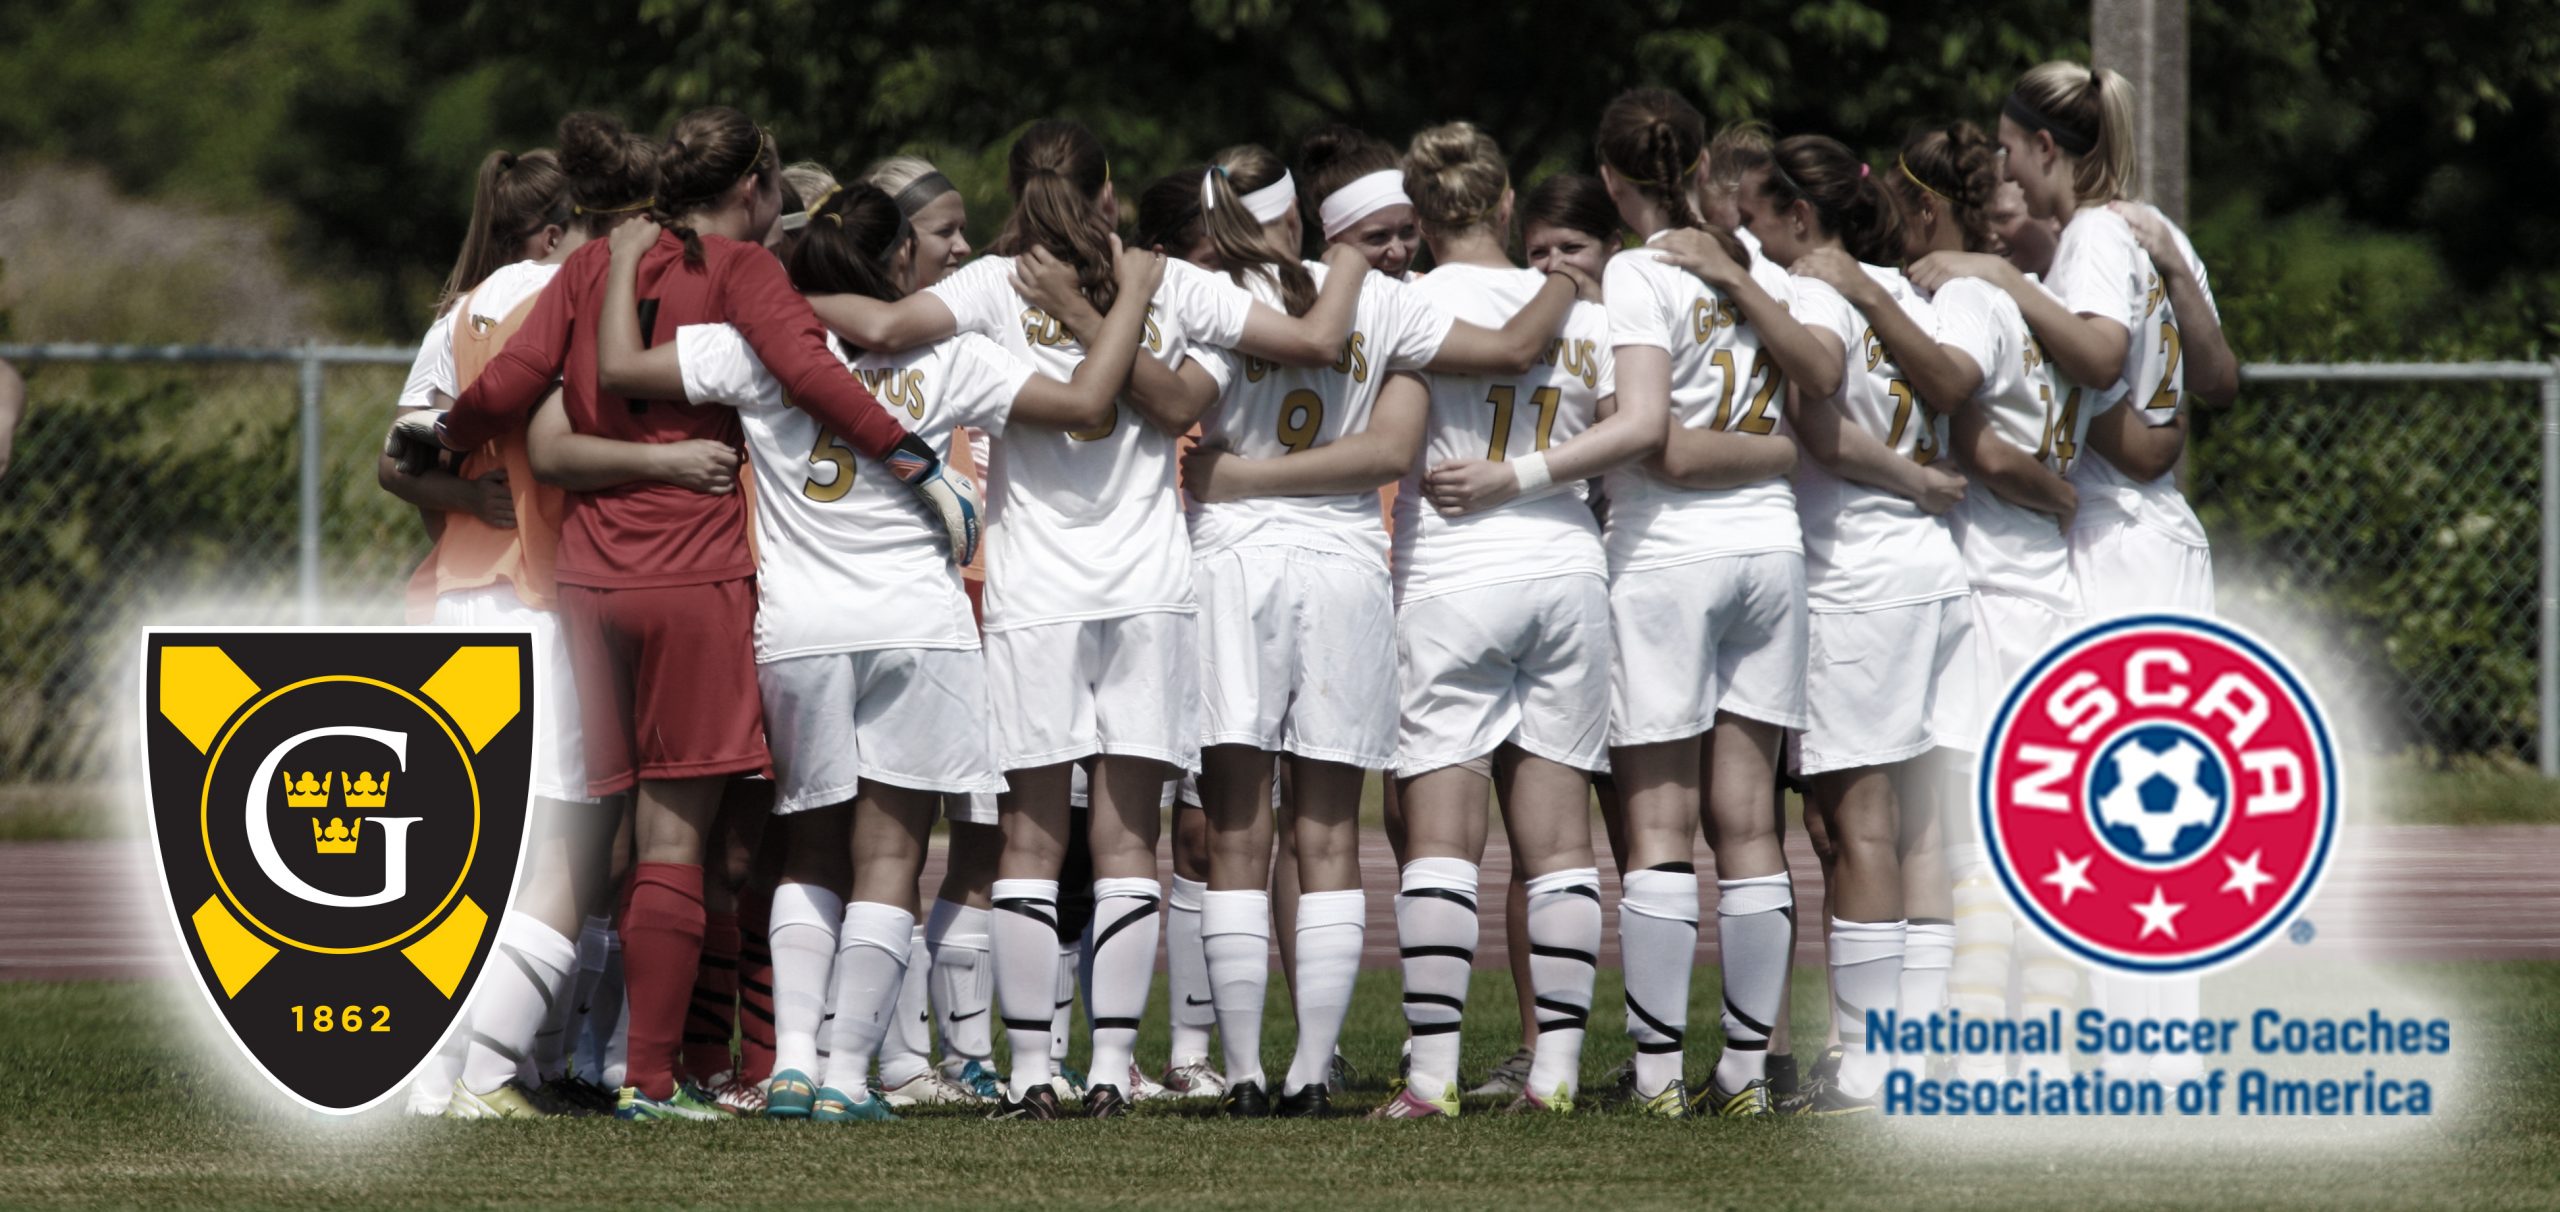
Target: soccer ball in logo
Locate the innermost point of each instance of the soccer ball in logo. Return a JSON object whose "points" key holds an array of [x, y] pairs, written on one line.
{"points": [[2159, 794]]}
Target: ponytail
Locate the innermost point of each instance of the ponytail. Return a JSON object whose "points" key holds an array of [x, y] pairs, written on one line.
{"points": [[1847, 200], [1956, 167], [1456, 175], [853, 238], [1238, 234], [514, 197], [1657, 141], [2088, 113], [708, 152], [612, 172], [1057, 172]]}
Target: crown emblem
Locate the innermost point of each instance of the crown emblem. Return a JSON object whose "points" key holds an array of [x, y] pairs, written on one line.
{"points": [[311, 792], [363, 791], [337, 838]]}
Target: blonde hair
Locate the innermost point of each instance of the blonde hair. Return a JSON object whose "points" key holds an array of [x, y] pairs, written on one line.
{"points": [[895, 173], [2095, 107], [1455, 175]]}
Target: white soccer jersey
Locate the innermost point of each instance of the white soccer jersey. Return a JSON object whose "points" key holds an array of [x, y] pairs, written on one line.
{"points": [[1265, 411], [2007, 547], [1086, 525], [1543, 534], [2100, 269], [1720, 378], [847, 559], [1864, 547], [490, 302]]}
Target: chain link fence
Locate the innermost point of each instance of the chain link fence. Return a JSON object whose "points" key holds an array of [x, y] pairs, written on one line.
{"points": [[2400, 519]]}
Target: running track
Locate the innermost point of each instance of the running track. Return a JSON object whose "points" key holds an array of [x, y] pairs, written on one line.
{"points": [[68, 912]]}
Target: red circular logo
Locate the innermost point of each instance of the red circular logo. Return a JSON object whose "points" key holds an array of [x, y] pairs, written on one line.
{"points": [[2159, 794]]}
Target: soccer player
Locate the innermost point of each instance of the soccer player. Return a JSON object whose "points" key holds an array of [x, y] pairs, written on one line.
{"points": [[496, 529], [1502, 631], [657, 582], [1089, 609], [1891, 675], [1354, 184], [865, 687], [1706, 571]]}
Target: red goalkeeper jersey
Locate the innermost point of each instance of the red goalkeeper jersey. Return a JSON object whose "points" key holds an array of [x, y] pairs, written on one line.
{"points": [[650, 533]]}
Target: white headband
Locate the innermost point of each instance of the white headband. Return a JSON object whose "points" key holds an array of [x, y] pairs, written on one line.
{"points": [[1266, 204], [1362, 198]]}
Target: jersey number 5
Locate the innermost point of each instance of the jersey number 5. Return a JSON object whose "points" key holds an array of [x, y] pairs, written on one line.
{"points": [[829, 451]]}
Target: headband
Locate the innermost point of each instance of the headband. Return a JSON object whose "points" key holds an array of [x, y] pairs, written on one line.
{"points": [[642, 204], [1266, 204], [1363, 197], [2016, 109], [923, 190], [802, 218], [1932, 190]]}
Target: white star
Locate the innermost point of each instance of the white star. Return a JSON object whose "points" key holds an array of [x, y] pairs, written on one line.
{"points": [[2246, 877], [2069, 876], [2159, 915]]}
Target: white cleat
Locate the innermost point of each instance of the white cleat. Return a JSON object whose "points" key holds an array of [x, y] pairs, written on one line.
{"points": [[930, 1089], [1195, 1080]]}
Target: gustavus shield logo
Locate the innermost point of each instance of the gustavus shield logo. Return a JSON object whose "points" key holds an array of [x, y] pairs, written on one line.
{"points": [[337, 815]]}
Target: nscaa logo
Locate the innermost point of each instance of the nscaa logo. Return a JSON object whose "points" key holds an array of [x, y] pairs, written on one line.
{"points": [[337, 815], [2159, 794]]}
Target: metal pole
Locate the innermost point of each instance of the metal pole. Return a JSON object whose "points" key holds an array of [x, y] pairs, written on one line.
{"points": [[2550, 670], [310, 490]]}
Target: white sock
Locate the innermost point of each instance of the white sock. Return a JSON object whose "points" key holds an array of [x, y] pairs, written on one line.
{"points": [[956, 935], [1564, 958], [871, 963], [806, 919], [907, 1053], [551, 1045], [1331, 927], [1928, 956], [1436, 936], [526, 973], [1658, 943], [1186, 974], [1126, 923], [1754, 933], [1978, 984], [1866, 973], [1024, 932], [1235, 946]]}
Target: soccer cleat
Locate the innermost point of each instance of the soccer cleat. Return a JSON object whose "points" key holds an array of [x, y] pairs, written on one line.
{"points": [[1752, 1101], [981, 1081], [1825, 1067], [686, 1103], [1102, 1100], [1826, 1101], [736, 1095], [833, 1106], [1405, 1104], [1141, 1087], [930, 1089], [790, 1095], [1194, 1080], [1306, 1102], [1621, 1083], [1671, 1103], [1069, 1083], [508, 1101], [1529, 1103], [1338, 1074], [1509, 1077], [1246, 1100], [1782, 1074], [1040, 1102]]}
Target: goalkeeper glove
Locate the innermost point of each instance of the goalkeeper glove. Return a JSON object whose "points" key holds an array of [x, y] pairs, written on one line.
{"points": [[947, 495], [416, 441]]}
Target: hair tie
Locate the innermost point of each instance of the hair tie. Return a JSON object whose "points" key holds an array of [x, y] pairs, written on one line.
{"points": [[1925, 187], [1209, 187], [1862, 170], [642, 204], [506, 161]]}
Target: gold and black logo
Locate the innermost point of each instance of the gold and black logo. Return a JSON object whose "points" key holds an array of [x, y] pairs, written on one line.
{"points": [[338, 815]]}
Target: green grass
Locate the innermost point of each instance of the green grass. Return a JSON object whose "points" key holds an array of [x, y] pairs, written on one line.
{"points": [[99, 1106]]}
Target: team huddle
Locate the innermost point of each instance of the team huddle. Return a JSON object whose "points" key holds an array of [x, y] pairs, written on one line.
{"points": [[1770, 469]]}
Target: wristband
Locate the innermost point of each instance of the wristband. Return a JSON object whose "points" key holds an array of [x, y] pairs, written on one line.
{"points": [[1531, 468]]}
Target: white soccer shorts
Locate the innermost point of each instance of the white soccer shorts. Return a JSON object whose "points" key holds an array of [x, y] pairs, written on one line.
{"points": [[1298, 654], [559, 739], [907, 717], [2128, 568], [1524, 663], [1890, 684], [1127, 685], [1722, 634]]}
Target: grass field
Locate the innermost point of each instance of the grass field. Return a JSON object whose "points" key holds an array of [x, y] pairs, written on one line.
{"points": [[99, 1107]]}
